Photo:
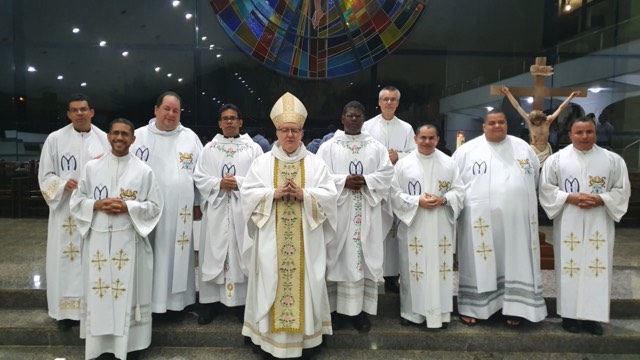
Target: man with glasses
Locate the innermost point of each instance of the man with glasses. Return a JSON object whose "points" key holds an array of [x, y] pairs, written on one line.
{"points": [[116, 206], [362, 172], [219, 175], [397, 137], [64, 154], [172, 151], [289, 201]]}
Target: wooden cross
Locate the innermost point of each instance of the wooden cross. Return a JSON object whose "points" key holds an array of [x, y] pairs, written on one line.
{"points": [[70, 251], [69, 226], [415, 271], [185, 214], [539, 71], [571, 269], [98, 260], [444, 269], [597, 267], [571, 240], [480, 226], [444, 244], [183, 240], [116, 289], [100, 288], [415, 245], [483, 249], [597, 240], [120, 259]]}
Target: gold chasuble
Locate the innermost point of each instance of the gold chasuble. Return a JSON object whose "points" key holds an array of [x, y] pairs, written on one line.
{"points": [[287, 312]]}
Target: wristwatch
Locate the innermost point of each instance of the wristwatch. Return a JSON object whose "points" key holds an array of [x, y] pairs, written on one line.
{"points": [[444, 201]]}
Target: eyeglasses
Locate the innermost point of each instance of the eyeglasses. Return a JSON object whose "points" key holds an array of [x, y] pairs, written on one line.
{"points": [[229, 118], [354, 116], [389, 100], [81, 110], [287, 131]]}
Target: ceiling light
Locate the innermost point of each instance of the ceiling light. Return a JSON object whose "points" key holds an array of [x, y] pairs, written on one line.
{"points": [[83, 84], [219, 55], [530, 100], [203, 93], [31, 69], [125, 53], [157, 68], [489, 108], [203, 38], [75, 30], [211, 46], [243, 81], [180, 80], [169, 74], [188, 16], [175, 3], [236, 73], [103, 43], [60, 77], [595, 90]]}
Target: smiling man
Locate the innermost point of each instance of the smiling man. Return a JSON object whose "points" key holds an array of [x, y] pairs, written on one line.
{"points": [[172, 151], [64, 154], [116, 206], [427, 196], [585, 189], [498, 244], [362, 172], [219, 176]]}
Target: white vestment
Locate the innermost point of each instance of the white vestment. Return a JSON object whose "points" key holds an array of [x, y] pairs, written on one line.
{"points": [[397, 135], [357, 253], [259, 252], [498, 240], [426, 236], [117, 256], [173, 156], [583, 239], [222, 273], [64, 155]]}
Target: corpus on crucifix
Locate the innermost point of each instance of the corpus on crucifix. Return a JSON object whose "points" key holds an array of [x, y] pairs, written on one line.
{"points": [[537, 121]]}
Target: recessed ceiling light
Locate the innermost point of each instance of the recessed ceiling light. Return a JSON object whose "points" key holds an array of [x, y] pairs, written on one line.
{"points": [[595, 90], [188, 16], [75, 30], [236, 73], [219, 55], [157, 69], [83, 84], [203, 93], [489, 108], [180, 80], [31, 69], [60, 77], [175, 3], [169, 74], [125, 53], [530, 100], [243, 81], [203, 38], [103, 43]]}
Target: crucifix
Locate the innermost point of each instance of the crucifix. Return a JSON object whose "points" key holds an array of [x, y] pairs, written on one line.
{"points": [[538, 121]]}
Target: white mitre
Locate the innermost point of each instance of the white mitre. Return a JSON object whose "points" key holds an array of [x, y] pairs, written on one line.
{"points": [[288, 109]]}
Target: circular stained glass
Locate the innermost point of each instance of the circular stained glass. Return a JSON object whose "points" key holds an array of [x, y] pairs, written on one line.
{"points": [[317, 39]]}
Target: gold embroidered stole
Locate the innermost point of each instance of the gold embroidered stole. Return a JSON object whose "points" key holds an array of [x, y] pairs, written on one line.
{"points": [[287, 312]]}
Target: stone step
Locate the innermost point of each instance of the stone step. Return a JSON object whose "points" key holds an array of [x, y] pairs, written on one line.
{"points": [[388, 304], [33, 327], [201, 353]]}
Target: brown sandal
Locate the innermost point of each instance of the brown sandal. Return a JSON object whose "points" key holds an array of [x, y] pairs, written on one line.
{"points": [[467, 320]]}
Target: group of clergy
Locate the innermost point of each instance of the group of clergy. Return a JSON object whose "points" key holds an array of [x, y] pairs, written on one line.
{"points": [[299, 243]]}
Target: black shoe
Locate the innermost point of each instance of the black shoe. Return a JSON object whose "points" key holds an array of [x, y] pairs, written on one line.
{"points": [[207, 313], [175, 316], [405, 322], [391, 284], [337, 320], [239, 312], [592, 327], [66, 324], [361, 322], [570, 325]]}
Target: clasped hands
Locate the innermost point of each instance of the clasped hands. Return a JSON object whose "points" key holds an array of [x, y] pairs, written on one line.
{"points": [[228, 182], [111, 206], [430, 201], [289, 191], [585, 201], [355, 182]]}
